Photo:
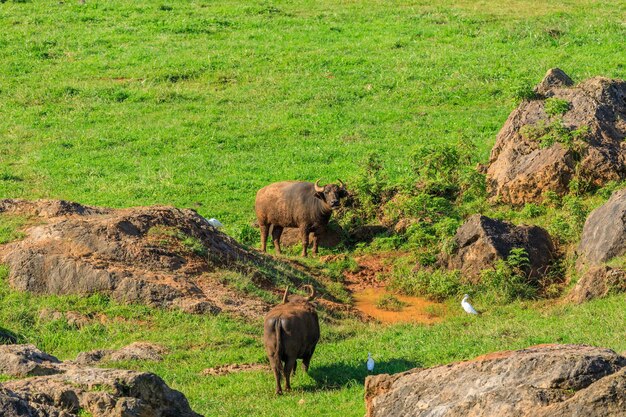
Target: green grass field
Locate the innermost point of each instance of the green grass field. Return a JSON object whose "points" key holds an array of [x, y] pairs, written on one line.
{"points": [[199, 104]]}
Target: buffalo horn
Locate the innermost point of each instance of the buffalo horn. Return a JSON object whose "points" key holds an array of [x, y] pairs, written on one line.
{"points": [[311, 291], [342, 184], [286, 293], [318, 188]]}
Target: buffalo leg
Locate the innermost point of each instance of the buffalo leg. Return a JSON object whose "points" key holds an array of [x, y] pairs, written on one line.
{"points": [[306, 359], [304, 234], [316, 239], [279, 390], [277, 231], [289, 366], [264, 230]]}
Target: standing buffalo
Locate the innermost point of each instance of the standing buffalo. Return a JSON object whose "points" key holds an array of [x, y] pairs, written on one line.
{"points": [[304, 205], [291, 331]]}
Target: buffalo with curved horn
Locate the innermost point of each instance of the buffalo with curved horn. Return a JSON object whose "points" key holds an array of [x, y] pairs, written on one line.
{"points": [[305, 205]]}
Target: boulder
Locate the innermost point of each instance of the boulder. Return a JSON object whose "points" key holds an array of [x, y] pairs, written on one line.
{"points": [[481, 241], [521, 169], [603, 238], [11, 405], [597, 282], [27, 360], [74, 389], [158, 256], [544, 380], [137, 351], [604, 233]]}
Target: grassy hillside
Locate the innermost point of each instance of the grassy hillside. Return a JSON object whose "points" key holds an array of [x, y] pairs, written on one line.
{"points": [[199, 104]]}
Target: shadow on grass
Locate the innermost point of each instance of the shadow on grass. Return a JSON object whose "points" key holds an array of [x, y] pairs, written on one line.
{"points": [[7, 337], [337, 375]]}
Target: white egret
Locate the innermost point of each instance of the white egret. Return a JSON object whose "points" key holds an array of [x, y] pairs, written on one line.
{"points": [[215, 223], [370, 362], [467, 306]]}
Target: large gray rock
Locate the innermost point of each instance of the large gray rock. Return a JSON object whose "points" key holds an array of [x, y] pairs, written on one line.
{"points": [[597, 282], [26, 360], [604, 233], [545, 380], [521, 170], [73, 388], [12, 405], [481, 241], [137, 351], [603, 238]]}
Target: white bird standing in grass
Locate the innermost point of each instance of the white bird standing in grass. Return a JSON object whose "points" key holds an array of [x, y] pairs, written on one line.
{"points": [[215, 223], [370, 362], [467, 306]]}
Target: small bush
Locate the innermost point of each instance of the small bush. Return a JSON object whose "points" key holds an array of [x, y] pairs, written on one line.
{"points": [[390, 302], [533, 210], [556, 106], [436, 285], [547, 134], [248, 235], [507, 281]]}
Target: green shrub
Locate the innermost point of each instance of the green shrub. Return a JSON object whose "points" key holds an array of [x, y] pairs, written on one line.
{"points": [[556, 106], [436, 285], [507, 281], [248, 235], [533, 210], [547, 134]]}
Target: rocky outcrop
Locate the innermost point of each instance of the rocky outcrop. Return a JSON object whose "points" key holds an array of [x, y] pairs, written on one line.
{"points": [[545, 380], [159, 256], [542, 149], [137, 351], [26, 360], [597, 282], [603, 238], [72, 389], [481, 241], [604, 233]]}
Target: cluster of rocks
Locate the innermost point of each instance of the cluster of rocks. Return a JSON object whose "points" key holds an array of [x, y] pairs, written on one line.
{"points": [[545, 380], [51, 388], [522, 170]]}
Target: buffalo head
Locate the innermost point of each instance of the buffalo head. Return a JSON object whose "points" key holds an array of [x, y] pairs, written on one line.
{"points": [[331, 193]]}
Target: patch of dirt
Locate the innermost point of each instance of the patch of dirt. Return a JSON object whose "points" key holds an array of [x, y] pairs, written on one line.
{"points": [[415, 310], [233, 368], [371, 270]]}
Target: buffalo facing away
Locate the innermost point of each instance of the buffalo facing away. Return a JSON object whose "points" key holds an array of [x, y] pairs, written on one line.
{"points": [[305, 205], [291, 331]]}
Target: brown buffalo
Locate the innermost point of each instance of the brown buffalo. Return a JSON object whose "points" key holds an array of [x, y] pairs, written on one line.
{"points": [[291, 331], [304, 205]]}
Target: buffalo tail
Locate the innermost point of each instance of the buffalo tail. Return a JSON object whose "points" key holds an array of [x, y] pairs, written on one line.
{"points": [[279, 345]]}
